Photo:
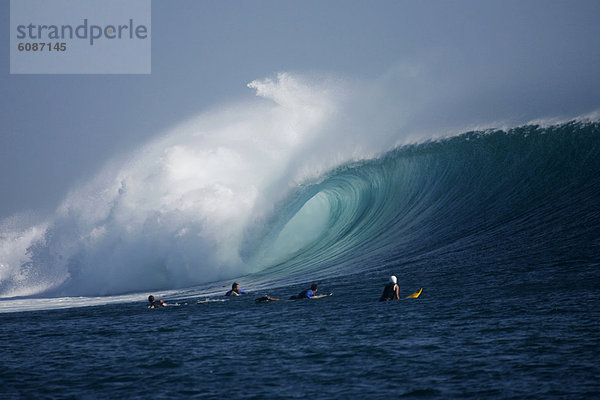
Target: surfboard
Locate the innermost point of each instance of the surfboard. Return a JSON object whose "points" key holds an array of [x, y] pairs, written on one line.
{"points": [[320, 296], [415, 294], [210, 301], [168, 305]]}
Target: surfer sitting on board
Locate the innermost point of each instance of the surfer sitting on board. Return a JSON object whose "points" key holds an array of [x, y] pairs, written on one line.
{"points": [[235, 290], [391, 290], [155, 303], [265, 299], [306, 294]]}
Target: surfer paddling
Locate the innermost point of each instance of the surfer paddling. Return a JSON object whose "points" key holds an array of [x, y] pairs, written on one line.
{"points": [[306, 294], [155, 303], [391, 291], [265, 299]]}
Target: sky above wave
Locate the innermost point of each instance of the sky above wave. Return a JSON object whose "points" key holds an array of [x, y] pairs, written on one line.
{"points": [[437, 64]]}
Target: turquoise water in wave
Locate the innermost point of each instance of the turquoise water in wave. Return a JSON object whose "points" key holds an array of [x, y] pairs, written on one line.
{"points": [[501, 229]]}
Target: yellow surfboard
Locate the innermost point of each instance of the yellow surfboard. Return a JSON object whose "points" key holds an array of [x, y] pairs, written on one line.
{"points": [[415, 294]]}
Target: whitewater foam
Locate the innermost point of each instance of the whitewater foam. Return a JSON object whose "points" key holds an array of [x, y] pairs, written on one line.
{"points": [[175, 213]]}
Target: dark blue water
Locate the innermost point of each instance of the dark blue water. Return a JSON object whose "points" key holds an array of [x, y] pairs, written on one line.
{"points": [[502, 230], [454, 341]]}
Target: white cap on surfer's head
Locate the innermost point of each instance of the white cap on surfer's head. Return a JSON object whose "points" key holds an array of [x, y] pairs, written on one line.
{"points": [[393, 279]]}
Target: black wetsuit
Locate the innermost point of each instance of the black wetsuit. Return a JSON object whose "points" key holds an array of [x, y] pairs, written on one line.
{"points": [[156, 304], [389, 292]]}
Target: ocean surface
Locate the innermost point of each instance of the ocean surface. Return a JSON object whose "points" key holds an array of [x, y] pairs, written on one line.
{"points": [[501, 229]]}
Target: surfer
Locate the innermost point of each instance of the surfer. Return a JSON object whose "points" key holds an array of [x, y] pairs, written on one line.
{"points": [[155, 303], [391, 290], [265, 299], [306, 294], [235, 290]]}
